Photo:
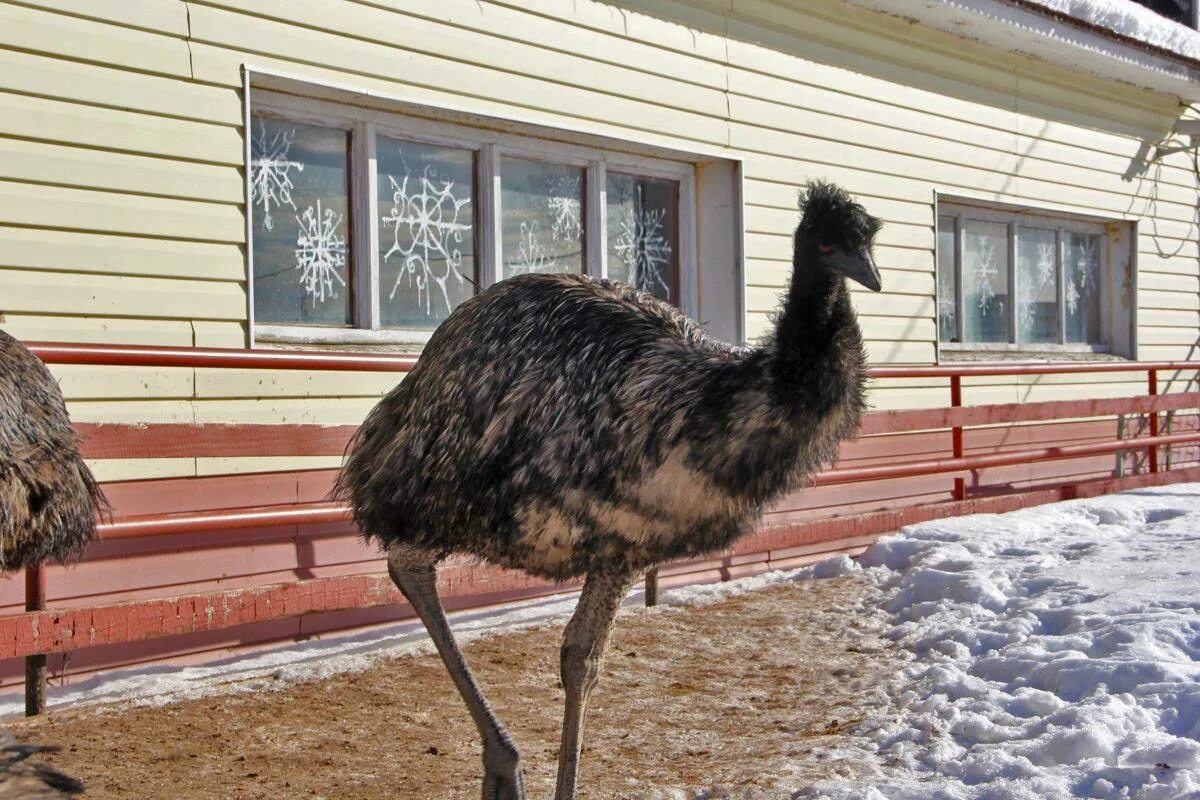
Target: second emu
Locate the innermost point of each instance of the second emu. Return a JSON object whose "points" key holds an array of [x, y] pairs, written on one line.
{"points": [[573, 427]]}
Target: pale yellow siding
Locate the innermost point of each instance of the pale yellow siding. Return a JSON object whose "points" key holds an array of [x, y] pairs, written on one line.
{"points": [[121, 152]]}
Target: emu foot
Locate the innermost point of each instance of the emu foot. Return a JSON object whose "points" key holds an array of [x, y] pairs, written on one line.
{"points": [[502, 774]]}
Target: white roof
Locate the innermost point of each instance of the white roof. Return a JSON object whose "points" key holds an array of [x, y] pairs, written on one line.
{"points": [[1114, 39]]}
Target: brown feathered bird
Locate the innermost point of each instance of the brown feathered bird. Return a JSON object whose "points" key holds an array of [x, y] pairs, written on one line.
{"points": [[49, 501], [574, 427], [49, 504]]}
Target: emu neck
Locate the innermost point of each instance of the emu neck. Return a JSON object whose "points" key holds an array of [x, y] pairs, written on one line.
{"points": [[808, 349]]}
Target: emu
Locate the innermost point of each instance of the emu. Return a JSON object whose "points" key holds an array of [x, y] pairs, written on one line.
{"points": [[569, 427], [49, 503]]}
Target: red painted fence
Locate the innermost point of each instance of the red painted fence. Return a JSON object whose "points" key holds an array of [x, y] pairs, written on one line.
{"points": [[901, 474]]}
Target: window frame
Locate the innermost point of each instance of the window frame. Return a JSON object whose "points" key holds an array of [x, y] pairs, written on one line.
{"points": [[490, 142], [1014, 218]]}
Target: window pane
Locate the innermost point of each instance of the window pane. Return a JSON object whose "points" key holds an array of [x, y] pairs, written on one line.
{"points": [[985, 281], [643, 234], [426, 231], [298, 194], [541, 208], [947, 272], [1081, 292], [1037, 286]]}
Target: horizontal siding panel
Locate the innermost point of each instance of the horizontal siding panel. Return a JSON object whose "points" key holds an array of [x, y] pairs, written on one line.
{"points": [[131, 410], [251, 34], [73, 251], [80, 382], [1171, 299], [438, 30], [88, 40], [86, 294], [89, 168], [95, 85], [773, 219], [153, 15], [88, 210], [1158, 317], [231, 466], [129, 469], [213, 333], [908, 177], [323, 410], [97, 330], [222, 383], [114, 129], [900, 352]]}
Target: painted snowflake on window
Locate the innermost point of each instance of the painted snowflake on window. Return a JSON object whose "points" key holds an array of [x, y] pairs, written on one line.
{"points": [[320, 253], [985, 271], [643, 246], [946, 312], [1086, 261], [270, 182], [531, 257], [427, 235], [566, 211], [1044, 271]]}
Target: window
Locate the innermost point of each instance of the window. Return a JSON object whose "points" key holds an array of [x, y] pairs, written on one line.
{"points": [[1019, 280], [370, 226]]}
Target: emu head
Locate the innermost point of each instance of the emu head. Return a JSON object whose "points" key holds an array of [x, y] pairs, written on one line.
{"points": [[836, 234]]}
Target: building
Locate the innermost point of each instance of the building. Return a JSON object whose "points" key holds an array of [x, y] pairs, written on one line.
{"points": [[397, 155]]}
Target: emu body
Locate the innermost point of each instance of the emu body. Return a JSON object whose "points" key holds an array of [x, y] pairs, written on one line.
{"points": [[48, 498], [569, 426]]}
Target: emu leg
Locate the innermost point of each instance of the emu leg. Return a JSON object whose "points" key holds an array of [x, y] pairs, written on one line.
{"points": [[415, 575], [582, 651]]}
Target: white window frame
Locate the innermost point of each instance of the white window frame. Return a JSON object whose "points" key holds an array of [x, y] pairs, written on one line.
{"points": [[490, 145], [1015, 218]]}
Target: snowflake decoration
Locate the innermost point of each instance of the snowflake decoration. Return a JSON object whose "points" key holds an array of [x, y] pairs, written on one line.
{"points": [[427, 235], [320, 253], [985, 271], [565, 209], [1072, 297], [1086, 261], [644, 248], [1044, 271], [946, 310], [1045, 264], [269, 168], [531, 257]]}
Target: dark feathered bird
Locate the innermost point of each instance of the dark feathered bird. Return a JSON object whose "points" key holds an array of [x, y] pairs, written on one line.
{"points": [[49, 500], [571, 427]]}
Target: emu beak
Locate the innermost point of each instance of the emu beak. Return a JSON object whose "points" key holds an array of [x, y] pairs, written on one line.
{"points": [[858, 267]]}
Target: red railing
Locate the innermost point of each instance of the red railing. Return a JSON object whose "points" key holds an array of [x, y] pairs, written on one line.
{"points": [[39, 631]]}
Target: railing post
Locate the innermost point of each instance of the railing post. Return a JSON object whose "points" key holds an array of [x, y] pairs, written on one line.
{"points": [[35, 666], [956, 434], [652, 587], [1152, 390]]}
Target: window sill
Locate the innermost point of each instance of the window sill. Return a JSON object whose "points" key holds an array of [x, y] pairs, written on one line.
{"points": [[952, 352], [399, 341]]}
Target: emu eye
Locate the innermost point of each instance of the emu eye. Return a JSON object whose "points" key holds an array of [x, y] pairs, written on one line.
{"points": [[826, 248]]}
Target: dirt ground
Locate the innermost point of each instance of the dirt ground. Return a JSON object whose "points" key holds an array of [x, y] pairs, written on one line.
{"points": [[739, 698]]}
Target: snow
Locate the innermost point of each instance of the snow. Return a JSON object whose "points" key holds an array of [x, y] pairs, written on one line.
{"points": [[1056, 653], [1130, 19]]}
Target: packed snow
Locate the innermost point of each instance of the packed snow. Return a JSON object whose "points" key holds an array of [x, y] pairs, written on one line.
{"points": [[1056, 653], [1130, 19]]}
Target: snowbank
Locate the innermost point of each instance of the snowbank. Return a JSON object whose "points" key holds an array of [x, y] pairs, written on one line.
{"points": [[1056, 654]]}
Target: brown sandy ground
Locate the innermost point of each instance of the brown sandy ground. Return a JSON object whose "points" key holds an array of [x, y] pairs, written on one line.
{"points": [[742, 698]]}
